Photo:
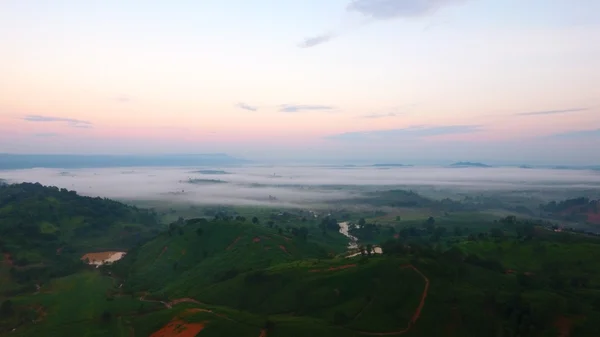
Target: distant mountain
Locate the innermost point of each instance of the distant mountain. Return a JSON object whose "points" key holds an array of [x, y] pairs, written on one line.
{"points": [[468, 164], [390, 165], [23, 161]]}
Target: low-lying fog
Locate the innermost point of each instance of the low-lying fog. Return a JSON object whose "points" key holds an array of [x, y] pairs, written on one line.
{"points": [[295, 186]]}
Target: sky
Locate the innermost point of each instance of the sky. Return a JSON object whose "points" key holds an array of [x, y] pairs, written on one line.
{"points": [[410, 81]]}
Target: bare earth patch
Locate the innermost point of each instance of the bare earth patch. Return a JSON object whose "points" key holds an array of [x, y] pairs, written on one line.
{"points": [[179, 328], [101, 258]]}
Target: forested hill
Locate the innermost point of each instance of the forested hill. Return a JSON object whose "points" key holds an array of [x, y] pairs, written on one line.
{"points": [[577, 209], [40, 224]]}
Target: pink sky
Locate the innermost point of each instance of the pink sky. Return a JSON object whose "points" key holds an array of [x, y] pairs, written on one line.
{"points": [[171, 79]]}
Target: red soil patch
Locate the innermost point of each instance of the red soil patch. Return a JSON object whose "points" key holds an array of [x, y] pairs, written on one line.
{"points": [[183, 252], [346, 266], [233, 243], [59, 250], [563, 325], [263, 333], [282, 247], [256, 239], [396, 236], [509, 271], [179, 328], [183, 300], [8, 260]]}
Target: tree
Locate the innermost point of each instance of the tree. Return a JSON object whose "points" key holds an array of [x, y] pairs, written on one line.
{"points": [[255, 220], [430, 221], [199, 231], [398, 218], [362, 222], [457, 231], [369, 249]]}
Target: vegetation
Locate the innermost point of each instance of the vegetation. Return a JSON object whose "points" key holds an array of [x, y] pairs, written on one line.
{"points": [[260, 272], [44, 231]]}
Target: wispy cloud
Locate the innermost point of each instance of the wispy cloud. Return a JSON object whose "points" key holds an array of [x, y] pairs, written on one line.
{"points": [[550, 112], [75, 123], [412, 132], [577, 134], [303, 107], [382, 115], [246, 106], [316, 40], [379, 10]]}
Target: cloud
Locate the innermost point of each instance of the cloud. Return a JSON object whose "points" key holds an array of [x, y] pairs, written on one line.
{"points": [[577, 134], [303, 107], [316, 40], [550, 112], [246, 106], [394, 9], [74, 123], [413, 132], [383, 115], [379, 10]]}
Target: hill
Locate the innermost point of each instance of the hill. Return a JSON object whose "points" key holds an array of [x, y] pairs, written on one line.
{"points": [[206, 252], [468, 164], [229, 276], [576, 210], [45, 230]]}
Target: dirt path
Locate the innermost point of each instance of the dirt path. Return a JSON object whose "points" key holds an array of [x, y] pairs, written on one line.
{"points": [[415, 315], [169, 305], [233, 243]]}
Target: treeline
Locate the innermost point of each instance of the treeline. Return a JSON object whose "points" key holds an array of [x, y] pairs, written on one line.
{"points": [[581, 204]]}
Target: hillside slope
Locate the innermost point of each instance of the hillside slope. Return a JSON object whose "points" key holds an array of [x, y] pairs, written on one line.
{"points": [[187, 258], [45, 230]]}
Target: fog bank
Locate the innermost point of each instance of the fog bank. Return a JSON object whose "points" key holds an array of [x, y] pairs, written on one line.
{"points": [[292, 186]]}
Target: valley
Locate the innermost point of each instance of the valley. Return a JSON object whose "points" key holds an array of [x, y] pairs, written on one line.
{"points": [[388, 262]]}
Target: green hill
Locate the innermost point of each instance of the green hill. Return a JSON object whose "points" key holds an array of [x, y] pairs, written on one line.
{"points": [[187, 258], [232, 277], [45, 230]]}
